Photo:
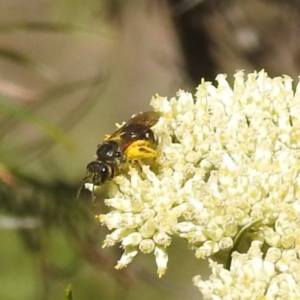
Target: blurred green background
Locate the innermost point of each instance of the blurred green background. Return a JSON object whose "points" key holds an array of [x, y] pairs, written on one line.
{"points": [[69, 71]]}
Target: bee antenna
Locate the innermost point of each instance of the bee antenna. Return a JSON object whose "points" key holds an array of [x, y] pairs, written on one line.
{"points": [[79, 191], [81, 186], [84, 180]]}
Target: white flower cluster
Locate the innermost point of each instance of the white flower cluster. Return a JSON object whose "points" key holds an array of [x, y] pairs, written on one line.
{"points": [[254, 275], [227, 157]]}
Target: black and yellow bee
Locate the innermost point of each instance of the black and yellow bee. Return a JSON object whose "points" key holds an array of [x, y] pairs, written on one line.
{"points": [[134, 141]]}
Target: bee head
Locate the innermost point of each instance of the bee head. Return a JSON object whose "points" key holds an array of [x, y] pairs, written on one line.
{"points": [[98, 172]]}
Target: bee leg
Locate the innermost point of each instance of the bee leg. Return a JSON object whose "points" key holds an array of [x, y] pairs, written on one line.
{"points": [[138, 165], [93, 197], [140, 150]]}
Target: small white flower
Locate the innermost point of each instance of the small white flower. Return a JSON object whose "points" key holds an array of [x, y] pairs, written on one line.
{"points": [[127, 257], [161, 257], [147, 246]]}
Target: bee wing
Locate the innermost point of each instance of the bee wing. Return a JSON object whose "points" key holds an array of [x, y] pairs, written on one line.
{"points": [[143, 120]]}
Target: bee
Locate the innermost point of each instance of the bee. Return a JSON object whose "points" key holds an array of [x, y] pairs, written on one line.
{"points": [[134, 141]]}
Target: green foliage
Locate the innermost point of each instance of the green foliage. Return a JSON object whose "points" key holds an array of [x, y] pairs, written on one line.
{"points": [[23, 114], [68, 294]]}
